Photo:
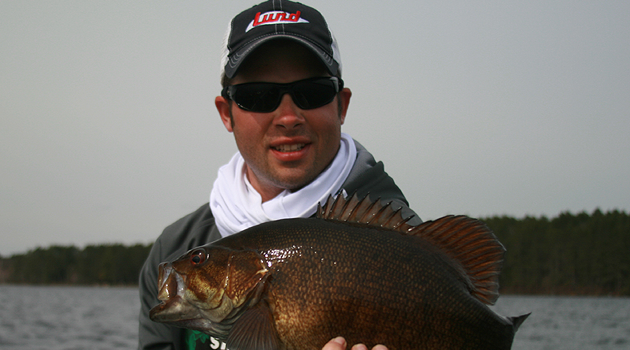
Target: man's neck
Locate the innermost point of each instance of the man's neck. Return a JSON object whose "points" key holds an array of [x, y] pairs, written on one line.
{"points": [[266, 191]]}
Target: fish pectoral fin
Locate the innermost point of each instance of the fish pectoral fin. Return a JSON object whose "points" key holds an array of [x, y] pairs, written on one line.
{"points": [[254, 330]]}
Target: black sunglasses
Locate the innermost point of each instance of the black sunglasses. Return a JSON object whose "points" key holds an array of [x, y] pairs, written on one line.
{"points": [[266, 97]]}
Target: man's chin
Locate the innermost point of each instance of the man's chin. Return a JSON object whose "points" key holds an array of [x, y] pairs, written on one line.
{"points": [[293, 180]]}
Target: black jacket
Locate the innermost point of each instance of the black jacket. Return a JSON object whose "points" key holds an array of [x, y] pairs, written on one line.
{"points": [[198, 228]]}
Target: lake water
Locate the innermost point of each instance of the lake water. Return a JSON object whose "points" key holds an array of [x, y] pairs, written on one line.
{"points": [[569, 323], [60, 318]]}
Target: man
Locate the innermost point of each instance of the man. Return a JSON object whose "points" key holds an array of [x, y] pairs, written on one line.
{"points": [[284, 101]]}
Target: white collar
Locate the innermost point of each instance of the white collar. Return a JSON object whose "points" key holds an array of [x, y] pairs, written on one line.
{"points": [[236, 205]]}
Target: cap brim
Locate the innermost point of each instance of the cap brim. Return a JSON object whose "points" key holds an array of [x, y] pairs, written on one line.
{"points": [[237, 58]]}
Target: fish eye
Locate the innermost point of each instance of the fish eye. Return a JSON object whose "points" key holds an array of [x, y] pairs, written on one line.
{"points": [[198, 257]]}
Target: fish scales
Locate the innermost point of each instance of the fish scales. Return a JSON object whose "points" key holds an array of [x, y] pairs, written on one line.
{"points": [[363, 266], [315, 279]]}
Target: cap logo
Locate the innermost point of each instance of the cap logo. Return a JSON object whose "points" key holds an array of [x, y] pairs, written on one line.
{"points": [[275, 17]]}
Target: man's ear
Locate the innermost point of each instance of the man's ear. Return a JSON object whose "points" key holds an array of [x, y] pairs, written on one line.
{"points": [[344, 97], [223, 107]]}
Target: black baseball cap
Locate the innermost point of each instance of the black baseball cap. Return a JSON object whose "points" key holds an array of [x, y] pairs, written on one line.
{"points": [[278, 19]]}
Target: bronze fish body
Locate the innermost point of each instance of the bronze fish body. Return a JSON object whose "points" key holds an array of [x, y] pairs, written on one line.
{"points": [[358, 270]]}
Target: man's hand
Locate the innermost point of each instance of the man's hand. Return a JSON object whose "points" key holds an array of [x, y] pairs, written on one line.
{"points": [[339, 343]]}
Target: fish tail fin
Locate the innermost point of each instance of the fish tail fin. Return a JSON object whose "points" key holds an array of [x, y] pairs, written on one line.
{"points": [[518, 320]]}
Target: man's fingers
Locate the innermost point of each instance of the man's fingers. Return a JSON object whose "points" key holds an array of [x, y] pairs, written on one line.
{"points": [[338, 343]]}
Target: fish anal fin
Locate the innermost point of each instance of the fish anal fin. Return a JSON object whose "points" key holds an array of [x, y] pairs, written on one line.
{"points": [[254, 330], [472, 245]]}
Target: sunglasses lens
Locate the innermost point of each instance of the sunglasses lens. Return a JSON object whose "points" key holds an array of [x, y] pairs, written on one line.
{"points": [[266, 97], [257, 97], [314, 94]]}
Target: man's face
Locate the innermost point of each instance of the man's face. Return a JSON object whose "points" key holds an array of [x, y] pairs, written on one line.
{"points": [[289, 147]]}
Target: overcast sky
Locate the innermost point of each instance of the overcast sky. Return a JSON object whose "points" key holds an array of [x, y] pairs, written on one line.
{"points": [[108, 129]]}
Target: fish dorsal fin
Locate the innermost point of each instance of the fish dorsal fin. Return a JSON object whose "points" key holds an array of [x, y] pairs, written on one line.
{"points": [[473, 245], [363, 211], [468, 242]]}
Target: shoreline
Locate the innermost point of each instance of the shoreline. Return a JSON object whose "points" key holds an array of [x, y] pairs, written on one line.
{"points": [[559, 292]]}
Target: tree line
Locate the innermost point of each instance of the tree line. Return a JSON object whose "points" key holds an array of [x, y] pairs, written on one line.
{"points": [[581, 254], [578, 254], [109, 264]]}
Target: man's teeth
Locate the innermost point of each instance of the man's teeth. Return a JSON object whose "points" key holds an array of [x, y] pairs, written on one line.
{"points": [[290, 148]]}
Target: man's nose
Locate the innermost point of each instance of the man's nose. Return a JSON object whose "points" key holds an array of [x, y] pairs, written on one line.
{"points": [[288, 114]]}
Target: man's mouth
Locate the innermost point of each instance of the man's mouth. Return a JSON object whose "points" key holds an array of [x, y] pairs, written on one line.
{"points": [[290, 148]]}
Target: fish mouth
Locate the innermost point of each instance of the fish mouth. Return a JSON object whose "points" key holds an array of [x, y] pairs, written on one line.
{"points": [[177, 312], [170, 311], [174, 309]]}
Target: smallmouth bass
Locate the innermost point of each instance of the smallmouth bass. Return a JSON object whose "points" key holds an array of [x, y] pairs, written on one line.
{"points": [[357, 270]]}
